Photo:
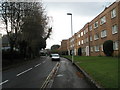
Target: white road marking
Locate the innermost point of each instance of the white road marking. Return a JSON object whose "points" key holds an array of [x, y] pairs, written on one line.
{"points": [[37, 65], [50, 76], [4, 82], [24, 72]]}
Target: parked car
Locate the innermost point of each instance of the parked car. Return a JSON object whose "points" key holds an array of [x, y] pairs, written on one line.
{"points": [[55, 56]]}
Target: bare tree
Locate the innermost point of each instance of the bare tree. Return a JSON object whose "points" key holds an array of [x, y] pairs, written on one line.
{"points": [[28, 22], [11, 14]]}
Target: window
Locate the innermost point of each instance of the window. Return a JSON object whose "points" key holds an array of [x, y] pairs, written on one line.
{"points": [[81, 33], [113, 13], [86, 30], [114, 29], [96, 24], [87, 39], [83, 50], [79, 43], [90, 28], [103, 33], [91, 49], [72, 40], [115, 45], [78, 35], [96, 48], [96, 36], [102, 20], [82, 42], [90, 38], [73, 45]]}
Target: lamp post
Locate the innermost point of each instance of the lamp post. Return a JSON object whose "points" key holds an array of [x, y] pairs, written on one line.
{"points": [[71, 35]]}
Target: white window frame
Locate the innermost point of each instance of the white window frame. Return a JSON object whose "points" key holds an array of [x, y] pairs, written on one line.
{"points": [[103, 20], [84, 41], [86, 30], [90, 28], [73, 45], [114, 29], [90, 38], [78, 35], [97, 49], [103, 33], [83, 50], [91, 49], [96, 24], [96, 36], [115, 45], [87, 39], [81, 41], [113, 13], [81, 33]]}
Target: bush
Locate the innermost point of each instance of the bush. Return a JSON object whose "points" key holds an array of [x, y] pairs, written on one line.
{"points": [[8, 55], [108, 47]]}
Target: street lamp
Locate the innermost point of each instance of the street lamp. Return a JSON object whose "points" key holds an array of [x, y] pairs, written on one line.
{"points": [[71, 34]]}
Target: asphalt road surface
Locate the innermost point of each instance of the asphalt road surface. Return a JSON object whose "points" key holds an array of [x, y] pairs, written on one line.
{"points": [[34, 73]]}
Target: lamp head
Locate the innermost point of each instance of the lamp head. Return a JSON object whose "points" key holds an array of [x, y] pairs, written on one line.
{"points": [[69, 13]]}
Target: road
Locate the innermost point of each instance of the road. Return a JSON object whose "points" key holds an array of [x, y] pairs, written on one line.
{"points": [[34, 73]]}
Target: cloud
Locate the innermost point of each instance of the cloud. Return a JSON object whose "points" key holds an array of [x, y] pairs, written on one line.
{"points": [[61, 0], [79, 0], [80, 8]]}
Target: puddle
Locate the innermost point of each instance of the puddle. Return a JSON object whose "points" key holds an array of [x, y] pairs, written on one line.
{"points": [[62, 61], [59, 75]]}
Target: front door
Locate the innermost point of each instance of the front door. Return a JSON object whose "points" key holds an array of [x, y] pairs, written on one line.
{"points": [[79, 52], [87, 50]]}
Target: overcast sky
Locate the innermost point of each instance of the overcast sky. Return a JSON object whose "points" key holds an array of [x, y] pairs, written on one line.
{"points": [[82, 13]]}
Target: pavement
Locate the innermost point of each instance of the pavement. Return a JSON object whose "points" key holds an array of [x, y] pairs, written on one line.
{"points": [[68, 76], [35, 73]]}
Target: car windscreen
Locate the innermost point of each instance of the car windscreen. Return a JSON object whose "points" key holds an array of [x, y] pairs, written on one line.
{"points": [[55, 55]]}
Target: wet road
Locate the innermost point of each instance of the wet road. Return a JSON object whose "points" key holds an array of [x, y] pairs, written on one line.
{"points": [[34, 73], [30, 75]]}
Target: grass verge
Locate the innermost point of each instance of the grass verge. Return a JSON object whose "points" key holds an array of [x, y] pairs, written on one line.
{"points": [[104, 70]]}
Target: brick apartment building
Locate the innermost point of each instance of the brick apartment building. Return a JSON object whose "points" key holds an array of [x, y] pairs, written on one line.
{"points": [[63, 47], [89, 40]]}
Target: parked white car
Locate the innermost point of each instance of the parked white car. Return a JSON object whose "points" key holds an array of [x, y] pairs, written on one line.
{"points": [[55, 56]]}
